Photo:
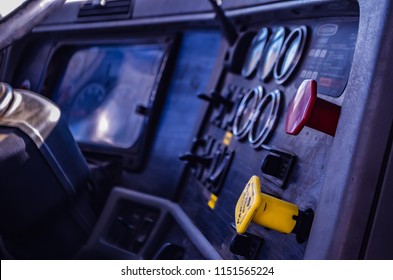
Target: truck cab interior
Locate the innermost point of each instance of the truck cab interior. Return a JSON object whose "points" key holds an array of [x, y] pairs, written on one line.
{"points": [[210, 129]]}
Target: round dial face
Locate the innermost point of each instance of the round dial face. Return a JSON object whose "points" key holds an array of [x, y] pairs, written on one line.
{"points": [[245, 112], [86, 102], [290, 54], [255, 52], [271, 54], [264, 119]]}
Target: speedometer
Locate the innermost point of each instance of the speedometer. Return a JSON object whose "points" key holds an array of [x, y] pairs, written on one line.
{"points": [[290, 54], [265, 119], [86, 102], [245, 112], [271, 54], [255, 52]]}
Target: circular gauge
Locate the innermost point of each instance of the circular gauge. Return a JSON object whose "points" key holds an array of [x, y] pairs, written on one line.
{"points": [[290, 54], [245, 112], [271, 54], [255, 52], [76, 65], [264, 119], [124, 127], [86, 101]]}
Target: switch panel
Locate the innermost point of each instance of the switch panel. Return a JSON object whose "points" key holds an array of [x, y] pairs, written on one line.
{"points": [[264, 107], [131, 227]]}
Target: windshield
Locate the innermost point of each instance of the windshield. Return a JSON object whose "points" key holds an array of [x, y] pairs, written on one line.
{"points": [[7, 6]]}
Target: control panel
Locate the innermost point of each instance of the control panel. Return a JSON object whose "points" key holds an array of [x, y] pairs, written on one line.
{"points": [[255, 167], [236, 129]]}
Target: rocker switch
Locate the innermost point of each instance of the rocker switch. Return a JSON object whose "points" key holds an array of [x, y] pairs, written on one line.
{"points": [[274, 165]]}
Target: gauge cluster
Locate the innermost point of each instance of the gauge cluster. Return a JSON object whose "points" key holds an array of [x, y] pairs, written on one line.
{"points": [[245, 120], [99, 88], [277, 57], [108, 93], [247, 130], [322, 52]]}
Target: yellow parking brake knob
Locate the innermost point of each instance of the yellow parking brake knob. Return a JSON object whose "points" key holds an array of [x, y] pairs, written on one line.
{"points": [[270, 212]]}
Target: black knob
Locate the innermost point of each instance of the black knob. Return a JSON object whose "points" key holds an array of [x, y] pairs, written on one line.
{"points": [[216, 100], [221, 163], [277, 166], [274, 165], [303, 225], [196, 159], [246, 245], [142, 110]]}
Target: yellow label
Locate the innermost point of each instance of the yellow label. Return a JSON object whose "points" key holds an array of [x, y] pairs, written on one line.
{"points": [[248, 203], [212, 202], [227, 138], [263, 209]]}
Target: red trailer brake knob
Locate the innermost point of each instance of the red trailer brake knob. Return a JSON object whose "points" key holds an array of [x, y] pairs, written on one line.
{"points": [[306, 109]]}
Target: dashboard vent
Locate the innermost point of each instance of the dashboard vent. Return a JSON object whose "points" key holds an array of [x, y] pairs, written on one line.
{"points": [[109, 9]]}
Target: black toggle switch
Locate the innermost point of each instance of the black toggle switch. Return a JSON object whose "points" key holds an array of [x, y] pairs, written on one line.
{"points": [[303, 225], [277, 165], [246, 245], [230, 117], [142, 110], [200, 157], [274, 165], [222, 103], [221, 163], [216, 100], [196, 159], [200, 141]]}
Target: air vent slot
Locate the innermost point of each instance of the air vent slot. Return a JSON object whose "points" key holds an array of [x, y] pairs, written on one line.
{"points": [[132, 226], [110, 9]]}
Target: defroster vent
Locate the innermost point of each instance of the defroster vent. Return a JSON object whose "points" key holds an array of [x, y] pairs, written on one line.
{"points": [[105, 10]]}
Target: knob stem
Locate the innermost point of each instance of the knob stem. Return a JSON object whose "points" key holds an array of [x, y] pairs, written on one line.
{"points": [[276, 214], [325, 117]]}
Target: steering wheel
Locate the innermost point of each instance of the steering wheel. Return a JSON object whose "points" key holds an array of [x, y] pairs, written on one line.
{"points": [[22, 20]]}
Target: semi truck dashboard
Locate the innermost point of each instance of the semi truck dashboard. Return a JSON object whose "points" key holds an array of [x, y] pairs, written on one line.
{"points": [[169, 129]]}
